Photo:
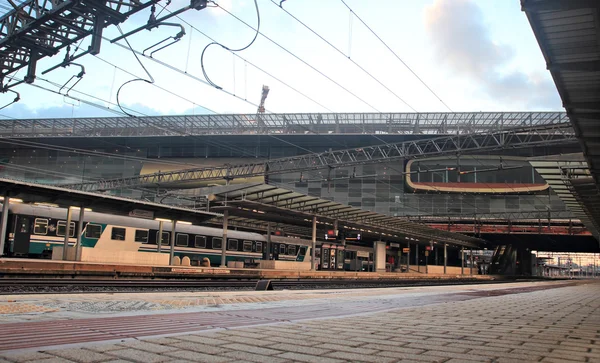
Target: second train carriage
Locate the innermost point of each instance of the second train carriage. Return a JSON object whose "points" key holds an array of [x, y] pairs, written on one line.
{"points": [[35, 230]]}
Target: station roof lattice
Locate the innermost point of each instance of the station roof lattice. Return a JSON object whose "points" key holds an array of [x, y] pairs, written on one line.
{"points": [[278, 124], [267, 202]]}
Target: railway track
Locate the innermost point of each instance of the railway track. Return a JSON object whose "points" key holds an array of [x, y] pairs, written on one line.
{"points": [[45, 285]]}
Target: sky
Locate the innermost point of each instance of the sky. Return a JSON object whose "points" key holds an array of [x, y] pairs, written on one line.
{"points": [[475, 55]]}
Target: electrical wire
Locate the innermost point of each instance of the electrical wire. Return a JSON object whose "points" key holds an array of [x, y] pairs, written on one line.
{"points": [[252, 64], [301, 60], [151, 81], [155, 85], [345, 56], [227, 48], [396, 55], [180, 71]]}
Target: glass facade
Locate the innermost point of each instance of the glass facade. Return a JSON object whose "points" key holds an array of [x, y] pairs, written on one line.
{"points": [[381, 187]]}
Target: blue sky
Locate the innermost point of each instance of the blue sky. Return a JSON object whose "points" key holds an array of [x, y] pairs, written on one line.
{"points": [[476, 55]]}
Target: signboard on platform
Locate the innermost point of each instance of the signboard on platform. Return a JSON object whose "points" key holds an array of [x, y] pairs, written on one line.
{"points": [[362, 254], [406, 250], [140, 213], [397, 245]]}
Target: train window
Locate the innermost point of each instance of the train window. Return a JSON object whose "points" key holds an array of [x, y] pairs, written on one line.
{"points": [[302, 251], [259, 247], [93, 231], [165, 238], [247, 246], [217, 243], [41, 226], [182, 239], [141, 235], [200, 242], [61, 227], [282, 249], [118, 234], [292, 250], [233, 244]]}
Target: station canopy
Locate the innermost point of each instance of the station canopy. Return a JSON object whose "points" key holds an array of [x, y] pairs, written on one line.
{"points": [[259, 204], [568, 33], [61, 197]]}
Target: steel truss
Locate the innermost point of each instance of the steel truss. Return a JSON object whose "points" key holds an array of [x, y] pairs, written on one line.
{"points": [[278, 124], [41, 28], [542, 135], [543, 215]]}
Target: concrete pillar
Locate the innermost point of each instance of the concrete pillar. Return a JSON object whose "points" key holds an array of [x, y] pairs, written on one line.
{"points": [[79, 231], [417, 255], [159, 238], [172, 252], [224, 243], [445, 256], [379, 256], [268, 255], [408, 258], [471, 257], [4, 223], [374, 255], [313, 253], [67, 233], [462, 260], [436, 255]]}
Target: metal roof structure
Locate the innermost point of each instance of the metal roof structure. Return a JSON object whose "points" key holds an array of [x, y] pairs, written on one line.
{"points": [[570, 178], [509, 138], [38, 193], [279, 124], [568, 33], [252, 203]]}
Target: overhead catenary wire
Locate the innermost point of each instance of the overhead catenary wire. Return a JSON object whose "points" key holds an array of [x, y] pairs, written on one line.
{"points": [[229, 49], [302, 61], [397, 56], [151, 80], [246, 61], [346, 57]]}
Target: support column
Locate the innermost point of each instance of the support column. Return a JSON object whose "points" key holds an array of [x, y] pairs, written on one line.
{"points": [[160, 235], [471, 257], [417, 256], [374, 256], [445, 256], [4, 223], [436, 255], [79, 231], [462, 260], [67, 234], [268, 255], [172, 252], [313, 252], [224, 242], [408, 258]]}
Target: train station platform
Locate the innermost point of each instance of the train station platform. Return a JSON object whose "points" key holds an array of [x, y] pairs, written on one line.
{"points": [[69, 269], [528, 321]]}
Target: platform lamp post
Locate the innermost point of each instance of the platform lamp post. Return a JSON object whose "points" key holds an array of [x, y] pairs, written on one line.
{"points": [[172, 251], [160, 235], [67, 234], [445, 256], [462, 260], [79, 231], [224, 242], [313, 252], [471, 257], [4, 222]]}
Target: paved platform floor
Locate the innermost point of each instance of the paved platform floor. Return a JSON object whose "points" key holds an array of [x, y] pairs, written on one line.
{"points": [[521, 322]]}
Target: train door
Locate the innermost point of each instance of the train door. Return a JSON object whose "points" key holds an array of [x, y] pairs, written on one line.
{"points": [[22, 236], [341, 257], [324, 257]]}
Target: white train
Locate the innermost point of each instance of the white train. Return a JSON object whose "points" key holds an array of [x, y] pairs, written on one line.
{"points": [[34, 230]]}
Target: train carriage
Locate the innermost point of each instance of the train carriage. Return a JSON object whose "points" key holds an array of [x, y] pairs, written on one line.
{"points": [[34, 230]]}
